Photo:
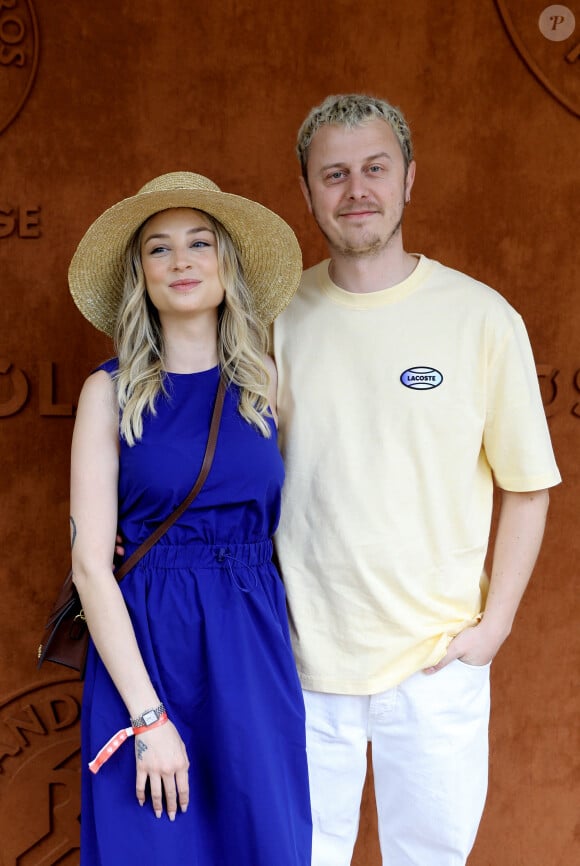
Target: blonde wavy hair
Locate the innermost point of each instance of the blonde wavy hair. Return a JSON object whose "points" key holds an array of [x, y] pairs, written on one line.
{"points": [[242, 341]]}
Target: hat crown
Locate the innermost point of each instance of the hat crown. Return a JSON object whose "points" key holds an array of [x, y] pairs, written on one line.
{"points": [[267, 246], [179, 180]]}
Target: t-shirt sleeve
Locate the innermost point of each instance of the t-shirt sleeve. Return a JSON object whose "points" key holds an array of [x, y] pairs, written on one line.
{"points": [[516, 437]]}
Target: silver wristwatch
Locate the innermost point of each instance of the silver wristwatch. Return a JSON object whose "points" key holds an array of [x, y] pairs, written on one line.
{"points": [[149, 717]]}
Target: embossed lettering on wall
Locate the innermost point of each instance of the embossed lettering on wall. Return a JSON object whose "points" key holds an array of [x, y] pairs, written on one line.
{"points": [[560, 390], [548, 40], [40, 775], [18, 57], [14, 390], [22, 221]]}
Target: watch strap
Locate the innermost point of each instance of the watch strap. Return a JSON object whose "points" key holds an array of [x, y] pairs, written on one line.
{"points": [[148, 717]]}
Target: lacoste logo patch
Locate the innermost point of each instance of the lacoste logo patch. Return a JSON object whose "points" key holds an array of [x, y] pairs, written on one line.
{"points": [[421, 378]]}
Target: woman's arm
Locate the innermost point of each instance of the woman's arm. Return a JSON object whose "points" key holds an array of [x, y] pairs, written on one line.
{"points": [[160, 753]]}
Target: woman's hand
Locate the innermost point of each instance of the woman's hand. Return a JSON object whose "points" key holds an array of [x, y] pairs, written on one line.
{"points": [[161, 757]]}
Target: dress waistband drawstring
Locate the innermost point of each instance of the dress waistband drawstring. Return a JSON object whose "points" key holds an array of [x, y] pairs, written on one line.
{"points": [[199, 555], [223, 555]]}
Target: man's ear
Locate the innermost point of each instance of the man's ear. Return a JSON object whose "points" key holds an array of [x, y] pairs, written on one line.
{"points": [[410, 180], [305, 192]]}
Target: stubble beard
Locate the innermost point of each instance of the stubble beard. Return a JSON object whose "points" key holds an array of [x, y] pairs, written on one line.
{"points": [[371, 245], [368, 245]]}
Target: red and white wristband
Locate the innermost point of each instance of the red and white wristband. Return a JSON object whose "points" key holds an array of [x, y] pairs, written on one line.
{"points": [[119, 738]]}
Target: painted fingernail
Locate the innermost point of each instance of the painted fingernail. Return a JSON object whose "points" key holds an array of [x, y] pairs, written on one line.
{"points": [[158, 813], [171, 816]]}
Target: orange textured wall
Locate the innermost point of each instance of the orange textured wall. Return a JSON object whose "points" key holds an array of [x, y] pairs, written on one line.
{"points": [[97, 98]]}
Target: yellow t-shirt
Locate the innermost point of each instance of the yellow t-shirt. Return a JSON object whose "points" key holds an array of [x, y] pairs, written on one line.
{"points": [[397, 410]]}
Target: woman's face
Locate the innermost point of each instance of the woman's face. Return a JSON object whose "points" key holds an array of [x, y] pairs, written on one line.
{"points": [[180, 263]]}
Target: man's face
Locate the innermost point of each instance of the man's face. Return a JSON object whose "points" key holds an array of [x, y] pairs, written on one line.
{"points": [[357, 187]]}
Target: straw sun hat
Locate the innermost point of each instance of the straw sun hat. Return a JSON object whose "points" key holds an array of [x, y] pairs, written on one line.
{"points": [[267, 246]]}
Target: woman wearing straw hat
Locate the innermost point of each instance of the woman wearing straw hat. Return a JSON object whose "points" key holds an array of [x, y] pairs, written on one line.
{"points": [[192, 646]]}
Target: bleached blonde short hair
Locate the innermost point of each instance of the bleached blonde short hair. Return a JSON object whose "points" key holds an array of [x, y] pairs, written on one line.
{"points": [[352, 109]]}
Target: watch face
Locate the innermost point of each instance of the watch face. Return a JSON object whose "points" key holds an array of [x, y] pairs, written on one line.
{"points": [[149, 717]]}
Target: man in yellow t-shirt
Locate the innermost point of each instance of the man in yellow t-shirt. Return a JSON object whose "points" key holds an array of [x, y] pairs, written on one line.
{"points": [[406, 389]]}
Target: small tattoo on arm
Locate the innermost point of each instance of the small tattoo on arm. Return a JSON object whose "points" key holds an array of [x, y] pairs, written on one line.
{"points": [[73, 531], [141, 747]]}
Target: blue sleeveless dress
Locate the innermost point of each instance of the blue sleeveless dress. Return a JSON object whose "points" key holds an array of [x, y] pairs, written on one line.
{"points": [[209, 612]]}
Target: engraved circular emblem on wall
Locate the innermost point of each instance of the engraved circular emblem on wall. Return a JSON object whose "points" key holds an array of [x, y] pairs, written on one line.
{"points": [[18, 57], [547, 37], [40, 775]]}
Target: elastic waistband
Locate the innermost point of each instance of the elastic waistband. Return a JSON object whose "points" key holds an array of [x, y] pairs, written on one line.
{"points": [[195, 553]]}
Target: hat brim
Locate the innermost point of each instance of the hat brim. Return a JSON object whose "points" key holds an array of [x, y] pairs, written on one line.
{"points": [[267, 246]]}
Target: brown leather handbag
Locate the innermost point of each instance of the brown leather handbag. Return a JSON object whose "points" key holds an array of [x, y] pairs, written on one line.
{"points": [[65, 638]]}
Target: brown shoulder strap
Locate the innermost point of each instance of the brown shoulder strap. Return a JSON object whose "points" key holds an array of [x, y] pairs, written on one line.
{"points": [[199, 482]]}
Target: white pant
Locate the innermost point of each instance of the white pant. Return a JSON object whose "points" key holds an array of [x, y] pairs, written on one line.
{"points": [[430, 755]]}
